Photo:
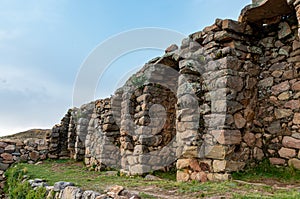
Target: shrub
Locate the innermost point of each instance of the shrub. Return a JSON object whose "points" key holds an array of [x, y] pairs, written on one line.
{"points": [[17, 188]]}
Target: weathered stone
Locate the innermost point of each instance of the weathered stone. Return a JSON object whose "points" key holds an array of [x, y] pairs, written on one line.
{"points": [[296, 86], [7, 156], [3, 145], [199, 176], [58, 186], [249, 138], [171, 48], [239, 120], [219, 165], [3, 167], [194, 164], [277, 73], [277, 161], [229, 166], [296, 45], [218, 177], [139, 169], [265, 83], [295, 163], [10, 148], [182, 176], [182, 163], [285, 30], [116, 189], [279, 88], [291, 142], [274, 127], [287, 153], [283, 113], [258, 153], [34, 155], [190, 151], [215, 152], [227, 136], [284, 96], [293, 104], [296, 119]]}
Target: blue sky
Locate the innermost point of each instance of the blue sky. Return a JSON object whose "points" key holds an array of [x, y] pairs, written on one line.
{"points": [[44, 43]]}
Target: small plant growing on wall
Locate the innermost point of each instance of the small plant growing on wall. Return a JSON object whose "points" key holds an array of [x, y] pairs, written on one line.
{"points": [[138, 81]]}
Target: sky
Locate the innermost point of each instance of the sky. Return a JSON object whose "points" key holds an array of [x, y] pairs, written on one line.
{"points": [[45, 44]]}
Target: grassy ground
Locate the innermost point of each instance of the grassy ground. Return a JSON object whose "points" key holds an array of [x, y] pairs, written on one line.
{"points": [[264, 181]]}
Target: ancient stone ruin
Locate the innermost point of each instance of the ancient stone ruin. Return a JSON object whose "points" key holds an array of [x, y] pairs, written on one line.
{"points": [[226, 98]]}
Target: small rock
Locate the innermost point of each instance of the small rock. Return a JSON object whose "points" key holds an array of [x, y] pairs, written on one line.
{"points": [[295, 163], [171, 48], [115, 190], [287, 153], [291, 142], [285, 30], [277, 161], [58, 186], [239, 120], [151, 177], [283, 113]]}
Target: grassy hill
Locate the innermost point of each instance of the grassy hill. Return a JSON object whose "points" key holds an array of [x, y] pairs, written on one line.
{"points": [[32, 133]]}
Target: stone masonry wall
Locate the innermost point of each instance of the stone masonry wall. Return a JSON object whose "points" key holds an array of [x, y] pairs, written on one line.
{"points": [[13, 151], [277, 115], [214, 67], [227, 97]]}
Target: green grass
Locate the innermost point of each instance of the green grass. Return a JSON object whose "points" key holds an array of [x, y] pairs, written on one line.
{"points": [[265, 170], [76, 172]]}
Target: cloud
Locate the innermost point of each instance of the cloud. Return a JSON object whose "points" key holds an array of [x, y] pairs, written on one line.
{"points": [[29, 81], [29, 99]]}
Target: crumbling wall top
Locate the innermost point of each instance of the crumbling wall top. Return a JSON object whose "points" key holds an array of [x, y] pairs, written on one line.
{"points": [[263, 10]]}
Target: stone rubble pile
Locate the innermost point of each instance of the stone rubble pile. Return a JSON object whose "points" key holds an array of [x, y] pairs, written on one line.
{"points": [[67, 190]]}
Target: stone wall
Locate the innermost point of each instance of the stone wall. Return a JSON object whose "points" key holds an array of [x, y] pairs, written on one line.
{"points": [[14, 151], [227, 97], [278, 99]]}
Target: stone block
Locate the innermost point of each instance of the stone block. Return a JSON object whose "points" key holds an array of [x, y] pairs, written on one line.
{"points": [[6, 156], [279, 88], [258, 153], [295, 163], [287, 153], [239, 120], [182, 176], [296, 86], [190, 152], [183, 163], [71, 192], [277, 161], [218, 176], [227, 166], [139, 169], [283, 113], [292, 104], [199, 176], [215, 152], [10, 148], [291, 142], [284, 31], [3, 166], [227, 137], [296, 119]]}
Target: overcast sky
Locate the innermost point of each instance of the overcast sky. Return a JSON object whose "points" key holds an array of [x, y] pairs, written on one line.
{"points": [[43, 44]]}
